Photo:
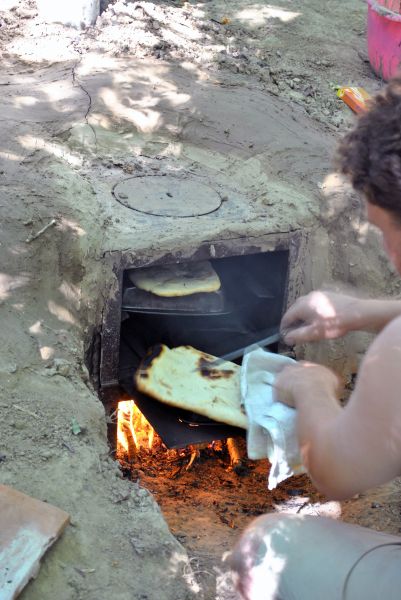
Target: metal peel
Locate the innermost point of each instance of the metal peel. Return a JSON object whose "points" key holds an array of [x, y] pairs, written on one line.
{"points": [[218, 362]]}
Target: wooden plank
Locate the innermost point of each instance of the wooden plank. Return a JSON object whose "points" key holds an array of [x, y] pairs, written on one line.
{"points": [[28, 527]]}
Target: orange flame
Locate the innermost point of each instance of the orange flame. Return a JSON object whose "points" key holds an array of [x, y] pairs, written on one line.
{"points": [[134, 432]]}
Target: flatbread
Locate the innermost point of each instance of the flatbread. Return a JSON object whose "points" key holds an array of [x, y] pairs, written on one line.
{"points": [[177, 280], [182, 377]]}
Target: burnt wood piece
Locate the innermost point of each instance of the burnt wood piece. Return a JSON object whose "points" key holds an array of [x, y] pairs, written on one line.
{"points": [[237, 454]]}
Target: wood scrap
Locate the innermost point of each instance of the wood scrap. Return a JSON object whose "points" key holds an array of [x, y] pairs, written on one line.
{"points": [[28, 527], [236, 454]]}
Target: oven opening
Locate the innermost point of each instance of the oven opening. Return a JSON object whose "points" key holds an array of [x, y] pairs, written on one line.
{"points": [[244, 309], [195, 467]]}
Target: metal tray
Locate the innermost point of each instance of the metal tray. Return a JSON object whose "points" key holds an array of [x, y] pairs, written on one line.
{"points": [[139, 301]]}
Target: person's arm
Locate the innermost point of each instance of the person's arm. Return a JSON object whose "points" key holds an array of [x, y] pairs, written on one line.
{"points": [[348, 450], [376, 314], [327, 315]]}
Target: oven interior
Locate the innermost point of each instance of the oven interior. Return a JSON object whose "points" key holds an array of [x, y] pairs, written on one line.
{"points": [[246, 310]]}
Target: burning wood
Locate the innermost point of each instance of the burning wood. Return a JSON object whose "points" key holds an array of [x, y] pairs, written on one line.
{"points": [[133, 430], [136, 439], [194, 454], [236, 453]]}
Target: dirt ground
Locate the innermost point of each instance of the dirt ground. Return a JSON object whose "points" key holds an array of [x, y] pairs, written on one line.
{"points": [[245, 97], [208, 504]]}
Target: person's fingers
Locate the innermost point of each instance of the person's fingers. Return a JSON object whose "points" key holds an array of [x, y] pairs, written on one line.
{"points": [[294, 314], [282, 384], [301, 334], [285, 397]]}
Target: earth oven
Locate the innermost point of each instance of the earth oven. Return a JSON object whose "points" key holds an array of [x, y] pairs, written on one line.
{"points": [[258, 281]]}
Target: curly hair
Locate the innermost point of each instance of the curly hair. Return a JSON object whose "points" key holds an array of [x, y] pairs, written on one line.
{"points": [[370, 154]]}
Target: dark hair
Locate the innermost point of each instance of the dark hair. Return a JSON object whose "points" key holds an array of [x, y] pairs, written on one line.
{"points": [[370, 154]]}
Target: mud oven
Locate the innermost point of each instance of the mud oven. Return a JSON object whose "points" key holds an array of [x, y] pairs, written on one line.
{"points": [[258, 280]]}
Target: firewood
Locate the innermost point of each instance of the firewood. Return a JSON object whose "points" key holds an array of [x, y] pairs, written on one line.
{"points": [[236, 454]]}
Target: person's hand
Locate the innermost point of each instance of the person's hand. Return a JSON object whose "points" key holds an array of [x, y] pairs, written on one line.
{"points": [[306, 380], [319, 316]]}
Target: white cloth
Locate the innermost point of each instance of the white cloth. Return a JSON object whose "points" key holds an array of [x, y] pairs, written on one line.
{"points": [[272, 424]]}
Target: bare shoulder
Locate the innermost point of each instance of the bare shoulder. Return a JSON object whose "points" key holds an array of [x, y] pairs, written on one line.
{"points": [[392, 330], [381, 368], [371, 421], [388, 342]]}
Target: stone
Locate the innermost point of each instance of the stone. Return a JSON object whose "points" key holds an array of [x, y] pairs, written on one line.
{"points": [[296, 96], [62, 367]]}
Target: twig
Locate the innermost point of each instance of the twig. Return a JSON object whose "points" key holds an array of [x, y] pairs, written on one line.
{"points": [[40, 232], [84, 572], [66, 445], [302, 507], [25, 410], [194, 454], [122, 498]]}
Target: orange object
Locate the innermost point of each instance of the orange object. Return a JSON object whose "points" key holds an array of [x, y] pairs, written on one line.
{"points": [[354, 97]]}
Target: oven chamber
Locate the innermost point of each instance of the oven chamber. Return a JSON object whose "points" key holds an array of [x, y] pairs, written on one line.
{"points": [[258, 281]]}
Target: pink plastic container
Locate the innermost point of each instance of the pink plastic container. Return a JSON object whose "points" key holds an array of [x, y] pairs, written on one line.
{"points": [[384, 37]]}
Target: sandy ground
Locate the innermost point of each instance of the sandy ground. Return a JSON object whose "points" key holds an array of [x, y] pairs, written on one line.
{"points": [[243, 96]]}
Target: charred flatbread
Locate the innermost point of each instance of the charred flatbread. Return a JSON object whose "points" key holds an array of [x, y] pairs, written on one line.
{"points": [[187, 378], [182, 279]]}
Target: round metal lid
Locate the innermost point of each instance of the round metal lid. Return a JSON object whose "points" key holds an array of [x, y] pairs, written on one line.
{"points": [[167, 196]]}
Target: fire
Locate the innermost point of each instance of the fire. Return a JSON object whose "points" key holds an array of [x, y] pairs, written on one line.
{"points": [[134, 432], [136, 438]]}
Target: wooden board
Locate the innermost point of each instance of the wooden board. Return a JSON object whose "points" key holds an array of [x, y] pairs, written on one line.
{"points": [[28, 527]]}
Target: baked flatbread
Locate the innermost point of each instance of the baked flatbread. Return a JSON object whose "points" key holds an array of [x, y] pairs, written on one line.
{"points": [[186, 378], [177, 280]]}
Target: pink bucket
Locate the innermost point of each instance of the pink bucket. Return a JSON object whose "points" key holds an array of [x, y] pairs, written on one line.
{"points": [[384, 37]]}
